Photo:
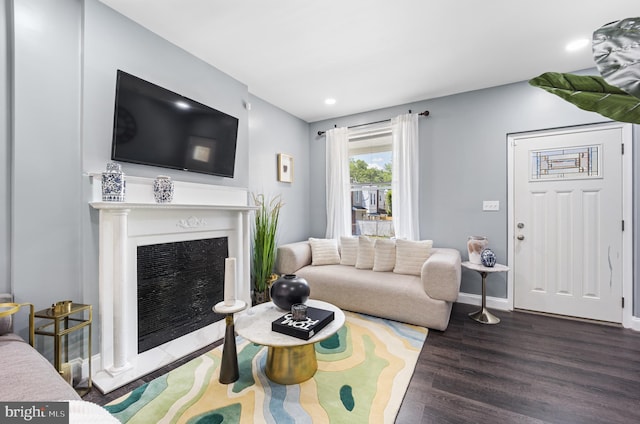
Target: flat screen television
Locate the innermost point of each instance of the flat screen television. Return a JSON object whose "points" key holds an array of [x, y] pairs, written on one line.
{"points": [[155, 126]]}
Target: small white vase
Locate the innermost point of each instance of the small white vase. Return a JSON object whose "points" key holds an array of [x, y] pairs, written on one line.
{"points": [[475, 246], [113, 183], [163, 189]]}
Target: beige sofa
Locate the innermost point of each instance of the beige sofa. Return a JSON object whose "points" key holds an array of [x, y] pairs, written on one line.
{"points": [[423, 300]]}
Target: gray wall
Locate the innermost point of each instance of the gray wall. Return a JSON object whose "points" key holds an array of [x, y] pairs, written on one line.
{"points": [[46, 250], [463, 156], [5, 149], [274, 131]]}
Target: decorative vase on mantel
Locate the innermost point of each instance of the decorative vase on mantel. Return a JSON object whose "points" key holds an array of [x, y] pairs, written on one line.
{"points": [[113, 183], [475, 246], [163, 189]]}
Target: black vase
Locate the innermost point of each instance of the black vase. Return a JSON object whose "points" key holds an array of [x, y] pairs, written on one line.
{"points": [[289, 290]]}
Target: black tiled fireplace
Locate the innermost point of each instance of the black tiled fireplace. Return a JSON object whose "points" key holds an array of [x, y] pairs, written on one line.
{"points": [[178, 284]]}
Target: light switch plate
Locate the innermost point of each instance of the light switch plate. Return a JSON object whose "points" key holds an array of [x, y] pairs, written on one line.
{"points": [[491, 205]]}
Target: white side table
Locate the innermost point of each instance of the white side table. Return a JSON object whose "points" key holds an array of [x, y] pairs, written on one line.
{"points": [[483, 315], [229, 364]]}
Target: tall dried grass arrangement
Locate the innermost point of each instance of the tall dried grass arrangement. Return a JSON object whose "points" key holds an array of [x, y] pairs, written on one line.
{"points": [[264, 239]]}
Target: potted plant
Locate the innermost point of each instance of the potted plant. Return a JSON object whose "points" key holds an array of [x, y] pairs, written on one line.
{"points": [[264, 245]]}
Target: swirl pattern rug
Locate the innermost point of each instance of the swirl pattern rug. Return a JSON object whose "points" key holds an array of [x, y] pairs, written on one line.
{"points": [[363, 374]]}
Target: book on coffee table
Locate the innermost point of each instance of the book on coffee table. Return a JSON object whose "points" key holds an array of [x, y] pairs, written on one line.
{"points": [[316, 320]]}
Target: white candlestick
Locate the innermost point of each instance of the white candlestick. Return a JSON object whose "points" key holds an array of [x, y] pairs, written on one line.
{"points": [[229, 281]]}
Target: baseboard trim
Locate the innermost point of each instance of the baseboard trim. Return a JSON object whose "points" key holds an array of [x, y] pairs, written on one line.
{"points": [[635, 323], [498, 303]]}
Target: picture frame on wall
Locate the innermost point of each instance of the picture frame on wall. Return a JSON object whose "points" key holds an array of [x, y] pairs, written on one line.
{"points": [[285, 168]]}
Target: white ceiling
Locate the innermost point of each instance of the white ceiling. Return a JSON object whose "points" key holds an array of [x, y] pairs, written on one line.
{"points": [[370, 54]]}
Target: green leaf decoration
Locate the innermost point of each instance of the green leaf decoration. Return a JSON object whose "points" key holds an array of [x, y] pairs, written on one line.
{"points": [[616, 51], [591, 93]]}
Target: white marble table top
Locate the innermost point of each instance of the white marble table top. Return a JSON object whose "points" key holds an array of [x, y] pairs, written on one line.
{"points": [[237, 306], [482, 268], [255, 325]]}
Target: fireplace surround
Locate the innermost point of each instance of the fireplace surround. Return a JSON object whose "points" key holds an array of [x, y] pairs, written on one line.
{"points": [[198, 211]]}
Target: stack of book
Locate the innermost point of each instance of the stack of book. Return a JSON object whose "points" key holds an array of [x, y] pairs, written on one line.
{"points": [[316, 320]]}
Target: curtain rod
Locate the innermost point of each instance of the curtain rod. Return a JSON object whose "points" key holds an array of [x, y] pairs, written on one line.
{"points": [[425, 113]]}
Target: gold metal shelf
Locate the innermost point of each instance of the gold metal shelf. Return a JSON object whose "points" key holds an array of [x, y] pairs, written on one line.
{"points": [[63, 320]]}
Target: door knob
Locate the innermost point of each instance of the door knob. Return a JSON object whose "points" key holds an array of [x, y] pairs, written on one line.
{"points": [[520, 237]]}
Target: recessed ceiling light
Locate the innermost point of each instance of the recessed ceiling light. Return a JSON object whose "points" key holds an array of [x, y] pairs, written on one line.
{"points": [[330, 101], [182, 105], [578, 44]]}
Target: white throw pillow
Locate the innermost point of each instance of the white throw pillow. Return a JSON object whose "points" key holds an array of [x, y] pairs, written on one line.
{"points": [[384, 255], [324, 251], [410, 255], [348, 250], [365, 253]]}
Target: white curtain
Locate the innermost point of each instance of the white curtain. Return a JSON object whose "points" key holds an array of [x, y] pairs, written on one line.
{"points": [[404, 180], [338, 184]]}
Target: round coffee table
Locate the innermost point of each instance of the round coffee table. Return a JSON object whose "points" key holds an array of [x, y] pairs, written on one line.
{"points": [[290, 360]]}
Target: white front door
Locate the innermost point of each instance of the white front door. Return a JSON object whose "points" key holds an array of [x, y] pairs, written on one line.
{"points": [[568, 222]]}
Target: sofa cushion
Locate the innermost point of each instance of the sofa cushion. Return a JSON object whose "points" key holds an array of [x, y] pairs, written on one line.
{"points": [[365, 253], [410, 255], [29, 375], [383, 294], [348, 250], [324, 251], [384, 255]]}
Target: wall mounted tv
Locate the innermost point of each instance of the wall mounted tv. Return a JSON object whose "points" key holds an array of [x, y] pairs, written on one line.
{"points": [[155, 126]]}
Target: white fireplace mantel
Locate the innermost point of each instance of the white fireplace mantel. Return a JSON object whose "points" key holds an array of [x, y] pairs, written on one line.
{"points": [[198, 211]]}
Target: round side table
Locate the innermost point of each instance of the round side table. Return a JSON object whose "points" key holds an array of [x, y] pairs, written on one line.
{"points": [[483, 315]]}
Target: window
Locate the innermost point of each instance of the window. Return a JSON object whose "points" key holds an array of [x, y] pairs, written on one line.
{"points": [[370, 172]]}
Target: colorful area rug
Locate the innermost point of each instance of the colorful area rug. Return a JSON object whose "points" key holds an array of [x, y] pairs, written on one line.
{"points": [[363, 374]]}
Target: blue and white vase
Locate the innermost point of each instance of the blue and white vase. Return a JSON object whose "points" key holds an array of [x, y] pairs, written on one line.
{"points": [[488, 258], [163, 189], [113, 183]]}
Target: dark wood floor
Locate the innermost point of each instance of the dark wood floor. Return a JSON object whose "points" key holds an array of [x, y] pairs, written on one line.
{"points": [[527, 369]]}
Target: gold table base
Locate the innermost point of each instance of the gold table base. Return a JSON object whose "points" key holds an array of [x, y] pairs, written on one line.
{"points": [[291, 364]]}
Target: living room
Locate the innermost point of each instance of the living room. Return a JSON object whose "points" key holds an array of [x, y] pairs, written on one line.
{"points": [[59, 64]]}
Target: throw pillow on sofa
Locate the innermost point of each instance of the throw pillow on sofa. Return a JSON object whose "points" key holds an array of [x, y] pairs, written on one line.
{"points": [[384, 255], [324, 251], [410, 255], [365, 253], [348, 250]]}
